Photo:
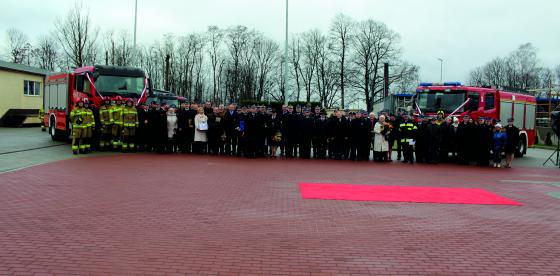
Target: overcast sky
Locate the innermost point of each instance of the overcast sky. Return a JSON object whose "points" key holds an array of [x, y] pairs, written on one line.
{"points": [[465, 33]]}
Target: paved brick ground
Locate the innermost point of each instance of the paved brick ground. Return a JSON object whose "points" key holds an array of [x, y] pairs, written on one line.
{"points": [[176, 215]]}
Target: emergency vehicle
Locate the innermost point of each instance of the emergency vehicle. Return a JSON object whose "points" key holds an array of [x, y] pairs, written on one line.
{"points": [[457, 100], [64, 90]]}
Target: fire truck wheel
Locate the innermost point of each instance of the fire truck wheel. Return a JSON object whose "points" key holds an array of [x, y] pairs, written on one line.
{"points": [[56, 135], [522, 147]]}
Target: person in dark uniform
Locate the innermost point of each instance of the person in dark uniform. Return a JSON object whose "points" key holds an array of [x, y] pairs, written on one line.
{"points": [[231, 122], [290, 124], [512, 133], [208, 109], [275, 132], [338, 135], [366, 131], [213, 133], [241, 138], [142, 131], [433, 131], [251, 134], [261, 132], [161, 128], [151, 125], [398, 121], [189, 135], [306, 134], [447, 138], [407, 132], [422, 141], [394, 136], [353, 135], [464, 140], [483, 143], [182, 126], [320, 136]]}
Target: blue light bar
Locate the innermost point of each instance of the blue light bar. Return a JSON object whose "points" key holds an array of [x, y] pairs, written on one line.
{"points": [[426, 84], [456, 83]]}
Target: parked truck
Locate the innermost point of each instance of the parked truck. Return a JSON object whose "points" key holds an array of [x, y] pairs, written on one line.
{"points": [[457, 100], [64, 90]]}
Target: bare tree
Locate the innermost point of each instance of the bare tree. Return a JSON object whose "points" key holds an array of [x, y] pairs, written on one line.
{"points": [[519, 70], [476, 77], [376, 44], [495, 72], [77, 36], [266, 52], [45, 54], [215, 37], [341, 37], [310, 40], [18, 45], [238, 41]]}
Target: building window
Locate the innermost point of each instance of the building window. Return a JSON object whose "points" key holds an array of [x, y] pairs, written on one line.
{"points": [[31, 88]]}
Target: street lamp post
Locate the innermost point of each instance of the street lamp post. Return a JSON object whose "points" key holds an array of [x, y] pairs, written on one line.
{"points": [[285, 64], [135, 20], [440, 70]]}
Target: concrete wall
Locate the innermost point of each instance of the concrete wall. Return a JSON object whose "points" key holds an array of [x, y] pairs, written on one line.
{"points": [[11, 91]]}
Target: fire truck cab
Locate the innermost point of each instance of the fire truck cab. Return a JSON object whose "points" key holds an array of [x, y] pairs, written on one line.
{"points": [[457, 100], [64, 90]]}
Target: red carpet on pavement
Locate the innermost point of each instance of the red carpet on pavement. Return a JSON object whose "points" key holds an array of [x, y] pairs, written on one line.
{"points": [[418, 194]]}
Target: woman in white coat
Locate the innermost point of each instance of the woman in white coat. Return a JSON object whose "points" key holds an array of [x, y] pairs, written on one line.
{"points": [[171, 130], [201, 127], [380, 144]]}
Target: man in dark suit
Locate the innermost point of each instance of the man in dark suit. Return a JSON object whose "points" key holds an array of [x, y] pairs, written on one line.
{"points": [[338, 135], [230, 123]]}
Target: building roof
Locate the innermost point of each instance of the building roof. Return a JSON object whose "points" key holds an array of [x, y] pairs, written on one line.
{"points": [[23, 68]]}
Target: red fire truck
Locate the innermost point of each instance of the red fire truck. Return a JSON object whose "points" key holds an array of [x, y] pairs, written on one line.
{"points": [[458, 100], [62, 91]]}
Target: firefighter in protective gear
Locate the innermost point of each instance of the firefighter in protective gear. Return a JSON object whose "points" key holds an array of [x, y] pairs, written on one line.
{"points": [[130, 123], [42, 119], [440, 118], [106, 119], [77, 118], [116, 114], [407, 131], [89, 125]]}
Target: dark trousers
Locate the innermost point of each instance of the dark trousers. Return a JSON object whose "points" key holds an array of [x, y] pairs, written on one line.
{"points": [[483, 158], [320, 148], [364, 150], [290, 146], [305, 148], [199, 147], [399, 149], [380, 156], [497, 156], [353, 150], [231, 143], [339, 149], [408, 155]]}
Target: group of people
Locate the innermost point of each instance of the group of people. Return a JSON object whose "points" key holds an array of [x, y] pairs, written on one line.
{"points": [[304, 132]]}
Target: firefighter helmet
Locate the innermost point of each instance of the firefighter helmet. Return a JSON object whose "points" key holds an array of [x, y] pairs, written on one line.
{"points": [[440, 112]]}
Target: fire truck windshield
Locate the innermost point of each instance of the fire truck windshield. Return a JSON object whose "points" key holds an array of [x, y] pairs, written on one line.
{"points": [[120, 85], [439, 100]]}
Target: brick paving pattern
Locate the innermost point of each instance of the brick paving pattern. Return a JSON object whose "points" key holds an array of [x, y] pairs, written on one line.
{"points": [[199, 215]]}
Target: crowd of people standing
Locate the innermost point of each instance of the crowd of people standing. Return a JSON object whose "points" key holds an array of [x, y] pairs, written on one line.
{"points": [[304, 132]]}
